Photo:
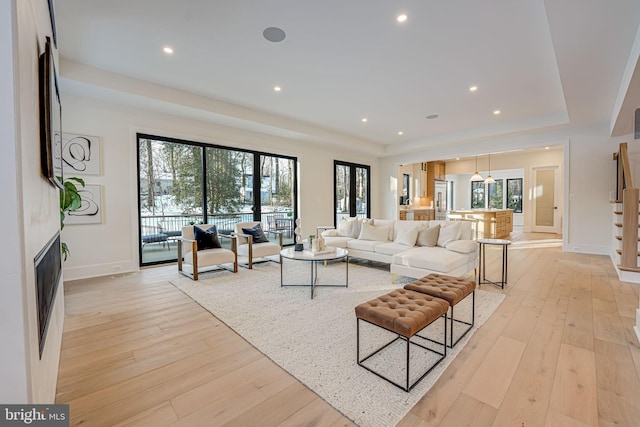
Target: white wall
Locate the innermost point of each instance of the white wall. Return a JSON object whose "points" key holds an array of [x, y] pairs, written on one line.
{"points": [[13, 328], [111, 247], [589, 176], [31, 210]]}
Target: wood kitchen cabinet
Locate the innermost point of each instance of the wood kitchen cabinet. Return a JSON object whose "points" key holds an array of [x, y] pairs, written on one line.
{"points": [[435, 171], [492, 223], [439, 170], [417, 214]]}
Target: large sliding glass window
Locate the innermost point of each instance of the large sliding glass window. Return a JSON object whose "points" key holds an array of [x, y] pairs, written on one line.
{"points": [[352, 190], [184, 183]]}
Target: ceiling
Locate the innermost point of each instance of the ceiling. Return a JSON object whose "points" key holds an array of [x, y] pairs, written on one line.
{"points": [[542, 64]]}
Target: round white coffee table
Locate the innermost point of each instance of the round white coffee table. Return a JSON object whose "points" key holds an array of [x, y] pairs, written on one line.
{"points": [[314, 259]]}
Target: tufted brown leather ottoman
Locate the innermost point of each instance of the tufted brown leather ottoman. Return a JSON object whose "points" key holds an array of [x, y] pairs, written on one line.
{"points": [[449, 288], [405, 313]]}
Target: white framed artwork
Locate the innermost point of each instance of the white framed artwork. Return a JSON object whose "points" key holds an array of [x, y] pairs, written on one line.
{"points": [[90, 211], [80, 154]]}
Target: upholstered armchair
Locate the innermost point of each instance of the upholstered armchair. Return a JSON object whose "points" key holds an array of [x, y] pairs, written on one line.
{"points": [[201, 249], [253, 243]]}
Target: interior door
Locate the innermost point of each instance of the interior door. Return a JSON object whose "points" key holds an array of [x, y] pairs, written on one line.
{"points": [[546, 197]]}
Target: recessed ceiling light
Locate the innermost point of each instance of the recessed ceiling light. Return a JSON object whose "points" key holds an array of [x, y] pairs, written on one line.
{"points": [[496, 112], [274, 34], [365, 120], [473, 88], [167, 50], [457, 158], [401, 18], [400, 132], [277, 88], [546, 148], [432, 116]]}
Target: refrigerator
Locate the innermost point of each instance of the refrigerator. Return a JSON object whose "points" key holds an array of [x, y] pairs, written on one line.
{"points": [[440, 200]]}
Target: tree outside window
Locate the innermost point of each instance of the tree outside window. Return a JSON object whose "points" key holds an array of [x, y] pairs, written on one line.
{"points": [[514, 194], [495, 195], [477, 195]]}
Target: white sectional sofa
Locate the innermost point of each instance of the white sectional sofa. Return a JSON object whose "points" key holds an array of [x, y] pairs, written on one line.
{"points": [[412, 248]]}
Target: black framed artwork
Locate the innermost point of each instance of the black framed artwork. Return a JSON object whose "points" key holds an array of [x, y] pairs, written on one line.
{"points": [[50, 118]]}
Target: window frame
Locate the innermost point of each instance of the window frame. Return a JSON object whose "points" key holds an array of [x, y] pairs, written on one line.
{"points": [[352, 184], [204, 146]]}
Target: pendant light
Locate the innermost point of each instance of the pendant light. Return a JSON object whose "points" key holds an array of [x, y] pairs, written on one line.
{"points": [[489, 179], [476, 176]]}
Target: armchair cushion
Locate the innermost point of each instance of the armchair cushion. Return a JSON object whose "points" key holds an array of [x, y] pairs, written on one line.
{"points": [[257, 233], [207, 239]]}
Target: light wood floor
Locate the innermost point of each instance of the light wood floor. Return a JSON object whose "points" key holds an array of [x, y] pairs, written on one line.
{"points": [[559, 351]]}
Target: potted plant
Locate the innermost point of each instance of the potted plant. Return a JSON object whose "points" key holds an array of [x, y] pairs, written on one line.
{"points": [[70, 201]]}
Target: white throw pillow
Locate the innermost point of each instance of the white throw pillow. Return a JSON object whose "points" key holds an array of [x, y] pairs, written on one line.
{"points": [[371, 232], [357, 225], [350, 227], [428, 236], [345, 228], [390, 223], [448, 233], [463, 246], [407, 237]]}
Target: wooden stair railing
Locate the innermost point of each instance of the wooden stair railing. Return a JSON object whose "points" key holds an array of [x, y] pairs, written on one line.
{"points": [[629, 196]]}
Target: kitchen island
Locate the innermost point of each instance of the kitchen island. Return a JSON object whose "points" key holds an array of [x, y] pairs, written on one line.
{"points": [[492, 223], [417, 214]]}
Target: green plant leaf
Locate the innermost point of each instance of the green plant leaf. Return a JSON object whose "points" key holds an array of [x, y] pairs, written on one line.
{"points": [[70, 201]]}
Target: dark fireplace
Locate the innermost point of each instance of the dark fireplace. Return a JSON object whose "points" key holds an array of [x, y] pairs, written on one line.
{"points": [[48, 268]]}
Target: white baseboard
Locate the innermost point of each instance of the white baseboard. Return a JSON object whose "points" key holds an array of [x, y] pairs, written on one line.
{"points": [[637, 331], [586, 249], [98, 270]]}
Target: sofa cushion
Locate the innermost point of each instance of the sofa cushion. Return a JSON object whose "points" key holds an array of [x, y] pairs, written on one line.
{"points": [[432, 258], [407, 225], [345, 227], [390, 248], [386, 223], [373, 232], [350, 227], [448, 233], [466, 228], [428, 236], [364, 245], [407, 237], [463, 246]]}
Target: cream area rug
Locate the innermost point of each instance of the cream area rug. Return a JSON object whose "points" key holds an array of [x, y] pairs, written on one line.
{"points": [[315, 339]]}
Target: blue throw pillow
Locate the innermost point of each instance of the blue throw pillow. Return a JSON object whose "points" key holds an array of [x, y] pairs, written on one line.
{"points": [[207, 239], [257, 233]]}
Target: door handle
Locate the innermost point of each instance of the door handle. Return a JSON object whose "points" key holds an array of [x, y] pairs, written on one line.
{"points": [[555, 207]]}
